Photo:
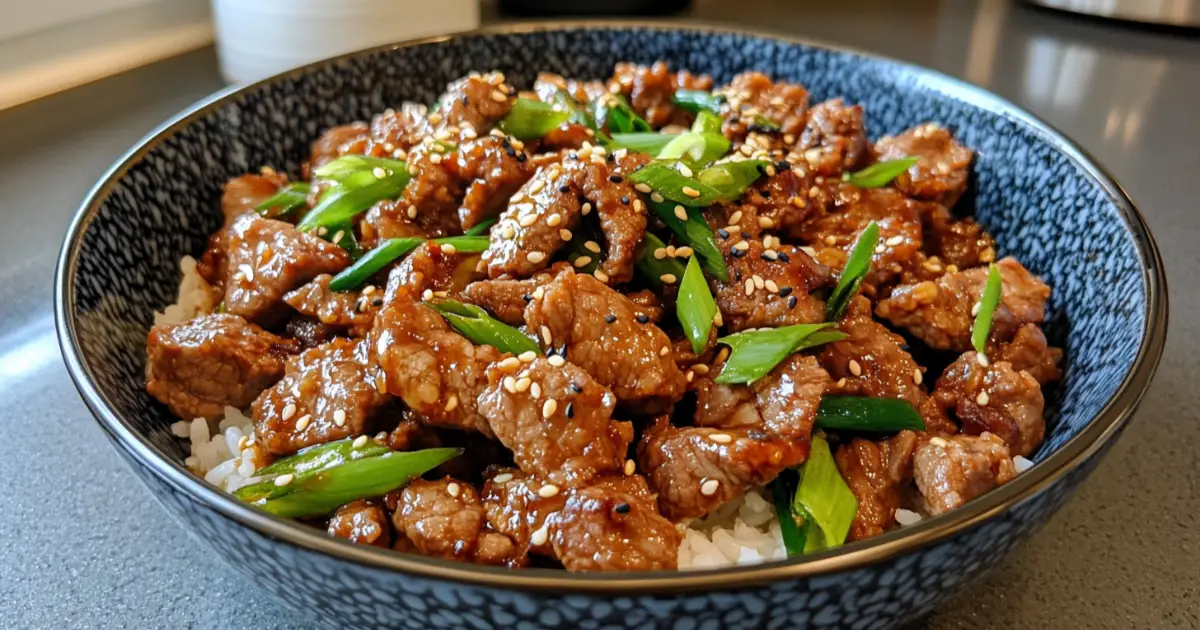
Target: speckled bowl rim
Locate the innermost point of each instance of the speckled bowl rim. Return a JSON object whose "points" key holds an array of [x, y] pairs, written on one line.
{"points": [[1095, 435]]}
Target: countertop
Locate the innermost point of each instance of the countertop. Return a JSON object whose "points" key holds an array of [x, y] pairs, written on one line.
{"points": [[82, 544]]}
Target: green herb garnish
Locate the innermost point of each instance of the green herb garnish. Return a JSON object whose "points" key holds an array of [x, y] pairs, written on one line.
{"points": [[754, 353], [987, 309], [475, 324], [879, 175], [695, 306], [857, 266]]}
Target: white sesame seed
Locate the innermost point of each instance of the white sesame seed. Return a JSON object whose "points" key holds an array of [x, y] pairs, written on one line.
{"points": [[527, 357], [765, 222], [547, 491], [709, 487], [592, 246], [642, 188], [452, 402], [523, 384], [721, 438], [565, 234], [660, 253], [289, 410], [742, 245], [758, 281], [831, 240], [587, 207], [535, 257], [656, 198], [540, 536], [284, 479], [427, 295], [247, 271], [855, 368], [449, 249], [535, 391], [538, 293], [982, 360], [339, 417], [982, 399], [302, 423], [771, 286], [918, 377], [681, 213], [880, 248], [549, 407], [436, 158], [583, 261], [554, 219], [749, 286], [502, 478], [510, 363], [453, 489], [691, 192], [686, 172], [526, 220], [735, 218], [664, 351], [668, 278], [630, 467], [379, 172], [508, 231], [510, 384], [601, 276], [545, 330], [975, 309], [895, 240], [499, 96]]}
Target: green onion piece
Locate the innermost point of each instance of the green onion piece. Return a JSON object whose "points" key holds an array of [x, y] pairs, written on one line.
{"points": [[653, 269], [698, 148], [651, 142], [707, 122], [343, 165], [353, 195], [389, 250], [795, 535], [342, 235], [324, 491], [861, 413], [857, 266], [320, 457], [614, 113], [696, 101], [665, 179], [695, 306], [754, 353], [481, 228], [987, 308], [529, 119], [879, 175], [732, 179], [284, 202], [578, 114], [762, 123], [465, 244], [824, 496], [475, 324], [696, 233]]}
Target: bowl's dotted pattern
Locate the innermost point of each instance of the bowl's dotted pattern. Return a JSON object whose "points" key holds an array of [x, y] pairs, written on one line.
{"points": [[1040, 205]]}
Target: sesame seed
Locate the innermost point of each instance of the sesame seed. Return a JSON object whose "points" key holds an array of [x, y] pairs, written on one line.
{"points": [[660, 253], [285, 479], [982, 360], [742, 245], [642, 188], [736, 217], [587, 207], [535, 391], [918, 377], [247, 272], [554, 219], [771, 286], [449, 249], [452, 402], [565, 234], [339, 417], [556, 360], [499, 96], [510, 384], [610, 318], [535, 257], [684, 252], [975, 309], [855, 368], [549, 407], [601, 276], [538, 293], [540, 536], [502, 478], [709, 487], [523, 384], [527, 357], [545, 330], [642, 318], [758, 281], [894, 241], [937, 441], [592, 246], [686, 172], [289, 410], [359, 441], [436, 158], [630, 466], [681, 213], [656, 198], [982, 399], [427, 295], [453, 489], [770, 254], [667, 278], [510, 363], [302, 423], [721, 438], [691, 192], [583, 261], [547, 491], [526, 220], [536, 187], [749, 287], [664, 351]]}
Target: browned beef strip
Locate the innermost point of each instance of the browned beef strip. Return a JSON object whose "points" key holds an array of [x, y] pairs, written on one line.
{"points": [[516, 509], [328, 393], [744, 436], [547, 84], [310, 332], [940, 312], [598, 329], [1029, 352], [199, 367], [556, 420], [445, 519], [506, 299], [647, 303], [474, 102], [992, 396], [871, 361], [430, 200], [651, 90], [768, 287], [400, 128], [495, 169], [389, 219], [834, 234], [951, 471], [834, 140], [362, 522], [778, 204], [958, 242], [437, 372], [268, 258], [941, 172], [548, 209], [430, 267], [876, 473], [753, 94], [353, 310], [354, 138], [243, 193]]}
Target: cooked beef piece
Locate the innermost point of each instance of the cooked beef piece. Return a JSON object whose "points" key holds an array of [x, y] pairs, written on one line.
{"points": [[651, 90], [744, 436], [362, 522], [1029, 352], [309, 332], [547, 84], [768, 287], [940, 312], [354, 310], [941, 172], [544, 214], [474, 102], [834, 234], [354, 138], [199, 367], [872, 361], [400, 129], [328, 393], [214, 261], [430, 200], [992, 396], [876, 473], [242, 194], [268, 258], [566, 136], [436, 371], [779, 203], [413, 434], [609, 524], [646, 303], [556, 420], [597, 328], [495, 169], [753, 94], [445, 519], [506, 299], [954, 470], [429, 268], [958, 242], [389, 219], [834, 140]]}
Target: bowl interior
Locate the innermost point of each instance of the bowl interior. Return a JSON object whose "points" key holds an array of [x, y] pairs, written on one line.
{"points": [[1033, 193]]}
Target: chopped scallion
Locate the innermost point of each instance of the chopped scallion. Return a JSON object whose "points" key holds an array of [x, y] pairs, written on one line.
{"points": [[475, 324], [614, 113], [696, 233], [286, 201], [987, 309], [695, 306], [754, 353], [879, 175], [481, 228], [707, 122], [529, 119], [353, 195], [861, 413], [697, 101], [824, 496], [857, 266], [653, 269], [338, 168]]}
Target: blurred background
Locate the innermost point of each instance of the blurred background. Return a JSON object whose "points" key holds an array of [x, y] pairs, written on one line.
{"points": [[82, 80]]}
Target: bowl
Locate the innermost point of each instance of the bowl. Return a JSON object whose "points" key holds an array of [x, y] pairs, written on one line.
{"points": [[1036, 191]]}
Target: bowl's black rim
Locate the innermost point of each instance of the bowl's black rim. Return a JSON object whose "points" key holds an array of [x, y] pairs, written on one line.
{"points": [[1100, 430]]}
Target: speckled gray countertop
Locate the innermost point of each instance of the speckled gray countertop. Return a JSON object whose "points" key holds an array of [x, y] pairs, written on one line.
{"points": [[82, 544]]}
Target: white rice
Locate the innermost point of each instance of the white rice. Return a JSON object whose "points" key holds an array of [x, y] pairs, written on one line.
{"points": [[743, 531], [195, 296], [216, 456]]}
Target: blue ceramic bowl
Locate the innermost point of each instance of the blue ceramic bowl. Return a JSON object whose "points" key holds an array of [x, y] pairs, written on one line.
{"points": [[1037, 192]]}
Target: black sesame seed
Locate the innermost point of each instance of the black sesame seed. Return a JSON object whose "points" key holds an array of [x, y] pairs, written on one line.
{"points": [[738, 253], [622, 508], [616, 179], [570, 410], [724, 234], [521, 158], [643, 318], [564, 189], [377, 302], [766, 258], [611, 159], [738, 275], [610, 318], [785, 291], [464, 99], [576, 388], [792, 301], [782, 165], [573, 155], [510, 151], [784, 258], [528, 298]]}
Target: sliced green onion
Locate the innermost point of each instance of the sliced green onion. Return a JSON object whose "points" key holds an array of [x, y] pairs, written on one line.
{"points": [[726, 181], [732, 179], [481, 228], [343, 165], [695, 306], [653, 269], [698, 148], [824, 496], [987, 309], [696, 101], [707, 122], [342, 235], [696, 233], [578, 114], [529, 119], [879, 175], [353, 195], [861, 413], [393, 249], [320, 457], [857, 266], [794, 534], [651, 142], [323, 491], [284, 202], [614, 113], [754, 353], [475, 324]]}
